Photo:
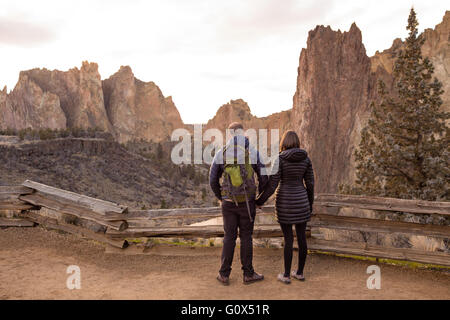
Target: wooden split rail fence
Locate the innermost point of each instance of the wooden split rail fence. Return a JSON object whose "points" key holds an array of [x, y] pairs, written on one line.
{"points": [[35, 203]]}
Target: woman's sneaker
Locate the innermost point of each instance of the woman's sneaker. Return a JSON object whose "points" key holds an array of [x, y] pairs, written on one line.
{"points": [[284, 279], [297, 276]]}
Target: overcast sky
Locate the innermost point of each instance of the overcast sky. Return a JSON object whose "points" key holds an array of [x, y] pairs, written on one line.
{"points": [[201, 52]]}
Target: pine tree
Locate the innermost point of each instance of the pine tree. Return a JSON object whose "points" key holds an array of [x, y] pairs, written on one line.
{"points": [[404, 149]]}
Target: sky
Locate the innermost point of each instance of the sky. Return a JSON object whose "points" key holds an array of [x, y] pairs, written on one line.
{"points": [[203, 53]]}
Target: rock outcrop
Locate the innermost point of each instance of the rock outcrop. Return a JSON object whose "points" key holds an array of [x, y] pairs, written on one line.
{"points": [[80, 94], [336, 83], [238, 110], [138, 109], [28, 106], [133, 109], [334, 87]]}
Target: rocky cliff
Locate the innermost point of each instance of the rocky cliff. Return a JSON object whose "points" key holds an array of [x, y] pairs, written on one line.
{"points": [[333, 90], [138, 109], [238, 110], [335, 85], [79, 92], [121, 105], [29, 106]]}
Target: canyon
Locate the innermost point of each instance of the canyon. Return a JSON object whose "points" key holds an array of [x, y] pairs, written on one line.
{"points": [[336, 83]]}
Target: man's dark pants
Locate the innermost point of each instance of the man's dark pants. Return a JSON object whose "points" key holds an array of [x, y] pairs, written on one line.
{"points": [[235, 217]]}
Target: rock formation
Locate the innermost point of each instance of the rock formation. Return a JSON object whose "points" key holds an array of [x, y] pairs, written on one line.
{"points": [[334, 86], [238, 110], [80, 94], [138, 109], [76, 99], [29, 106]]}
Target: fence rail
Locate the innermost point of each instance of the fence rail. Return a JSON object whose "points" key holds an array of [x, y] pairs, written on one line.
{"points": [[114, 224]]}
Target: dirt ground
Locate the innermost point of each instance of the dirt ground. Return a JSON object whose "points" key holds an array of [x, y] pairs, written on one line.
{"points": [[33, 265]]}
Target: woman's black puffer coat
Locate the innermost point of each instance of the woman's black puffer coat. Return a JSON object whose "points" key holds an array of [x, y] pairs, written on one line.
{"points": [[293, 198]]}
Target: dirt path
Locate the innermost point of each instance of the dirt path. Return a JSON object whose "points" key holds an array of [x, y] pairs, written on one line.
{"points": [[33, 265]]}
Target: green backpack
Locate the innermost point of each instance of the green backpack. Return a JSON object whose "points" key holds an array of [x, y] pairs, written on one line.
{"points": [[238, 178]]}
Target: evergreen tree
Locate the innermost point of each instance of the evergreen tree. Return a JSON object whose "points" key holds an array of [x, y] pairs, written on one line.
{"points": [[404, 149]]}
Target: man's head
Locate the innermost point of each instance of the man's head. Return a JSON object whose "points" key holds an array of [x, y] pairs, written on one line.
{"points": [[236, 128]]}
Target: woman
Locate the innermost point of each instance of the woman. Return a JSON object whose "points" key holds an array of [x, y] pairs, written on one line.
{"points": [[293, 202]]}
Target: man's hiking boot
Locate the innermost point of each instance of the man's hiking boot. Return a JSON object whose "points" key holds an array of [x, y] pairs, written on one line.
{"points": [[253, 278], [223, 280]]}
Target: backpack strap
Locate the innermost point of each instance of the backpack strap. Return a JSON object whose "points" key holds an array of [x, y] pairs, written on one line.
{"points": [[248, 206]]}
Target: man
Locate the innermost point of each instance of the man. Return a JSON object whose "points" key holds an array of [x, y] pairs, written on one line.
{"points": [[237, 163]]}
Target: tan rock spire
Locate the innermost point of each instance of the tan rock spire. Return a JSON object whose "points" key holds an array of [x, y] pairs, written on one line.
{"points": [[137, 109]]}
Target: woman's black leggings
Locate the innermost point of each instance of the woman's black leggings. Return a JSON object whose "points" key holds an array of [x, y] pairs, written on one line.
{"points": [[300, 229]]}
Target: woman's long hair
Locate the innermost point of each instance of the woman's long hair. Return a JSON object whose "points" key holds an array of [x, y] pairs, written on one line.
{"points": [[289, 140]]}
